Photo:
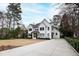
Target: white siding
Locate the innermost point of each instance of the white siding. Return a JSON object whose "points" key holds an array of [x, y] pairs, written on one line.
{"points": [[45, 33], [42, 33], [56, 33], [29, 28]]}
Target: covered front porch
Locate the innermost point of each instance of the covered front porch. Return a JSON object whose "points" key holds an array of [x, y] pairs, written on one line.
{"points": [[35, 34]]}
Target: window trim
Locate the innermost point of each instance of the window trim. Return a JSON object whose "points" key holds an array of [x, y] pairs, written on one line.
{"points": [[30, 29], [41, 28], [56, 33], [48, 28], [51, 27]]}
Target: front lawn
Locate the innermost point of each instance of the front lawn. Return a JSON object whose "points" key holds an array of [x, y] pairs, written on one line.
{"points": [[12, 43]]}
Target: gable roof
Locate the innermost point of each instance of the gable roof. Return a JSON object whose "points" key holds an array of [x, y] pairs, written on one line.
{"points": [[45, 21], [35, 25]]}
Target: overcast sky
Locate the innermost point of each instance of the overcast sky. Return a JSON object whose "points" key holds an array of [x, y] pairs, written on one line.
{"points": [[36, 12]]}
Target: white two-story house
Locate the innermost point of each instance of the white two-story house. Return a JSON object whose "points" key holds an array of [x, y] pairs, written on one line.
{"points": [[44, 29]]}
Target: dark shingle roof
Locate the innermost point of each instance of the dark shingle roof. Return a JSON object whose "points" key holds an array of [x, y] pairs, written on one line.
{"points": [[35, 25]]}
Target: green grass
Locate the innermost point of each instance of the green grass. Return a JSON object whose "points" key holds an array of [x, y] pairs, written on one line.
{"points": [[74, 42]]}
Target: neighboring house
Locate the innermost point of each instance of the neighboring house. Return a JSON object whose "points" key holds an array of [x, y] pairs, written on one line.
{"points": [[44, 29]]}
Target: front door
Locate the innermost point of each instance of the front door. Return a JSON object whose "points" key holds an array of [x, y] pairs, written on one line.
{"points": [[52, 35], [34, 35]]}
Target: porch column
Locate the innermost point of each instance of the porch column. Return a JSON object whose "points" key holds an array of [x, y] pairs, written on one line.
{"points": [[33, 36], [50, 32]]}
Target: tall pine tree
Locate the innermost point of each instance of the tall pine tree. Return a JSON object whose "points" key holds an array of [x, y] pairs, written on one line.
{"points": [[14, 15]]}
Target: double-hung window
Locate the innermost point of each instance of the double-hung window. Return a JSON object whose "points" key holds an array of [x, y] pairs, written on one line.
{"points": [[41, 28], [30, 29], [48, 28]]}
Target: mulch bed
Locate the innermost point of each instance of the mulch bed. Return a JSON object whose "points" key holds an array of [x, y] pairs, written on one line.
{"points": [[2, 48]]}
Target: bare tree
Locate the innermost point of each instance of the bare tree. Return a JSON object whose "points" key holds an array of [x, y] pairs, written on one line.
{"points": [[2, 23], [70, 17]]}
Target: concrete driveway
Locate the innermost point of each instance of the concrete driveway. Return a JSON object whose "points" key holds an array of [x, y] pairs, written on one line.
{"points": [[54, 47]]}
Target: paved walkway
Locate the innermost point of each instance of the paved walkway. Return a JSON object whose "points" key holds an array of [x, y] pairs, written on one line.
{"points": [[54, 47]]}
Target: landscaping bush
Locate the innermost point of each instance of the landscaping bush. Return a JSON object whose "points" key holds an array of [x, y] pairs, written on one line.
{"points": [[74, 42]]}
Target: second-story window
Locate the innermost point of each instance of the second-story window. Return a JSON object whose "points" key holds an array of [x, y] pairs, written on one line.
{"points": [[52, 28], [41, 28], [48, 28], [30, 29]]}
